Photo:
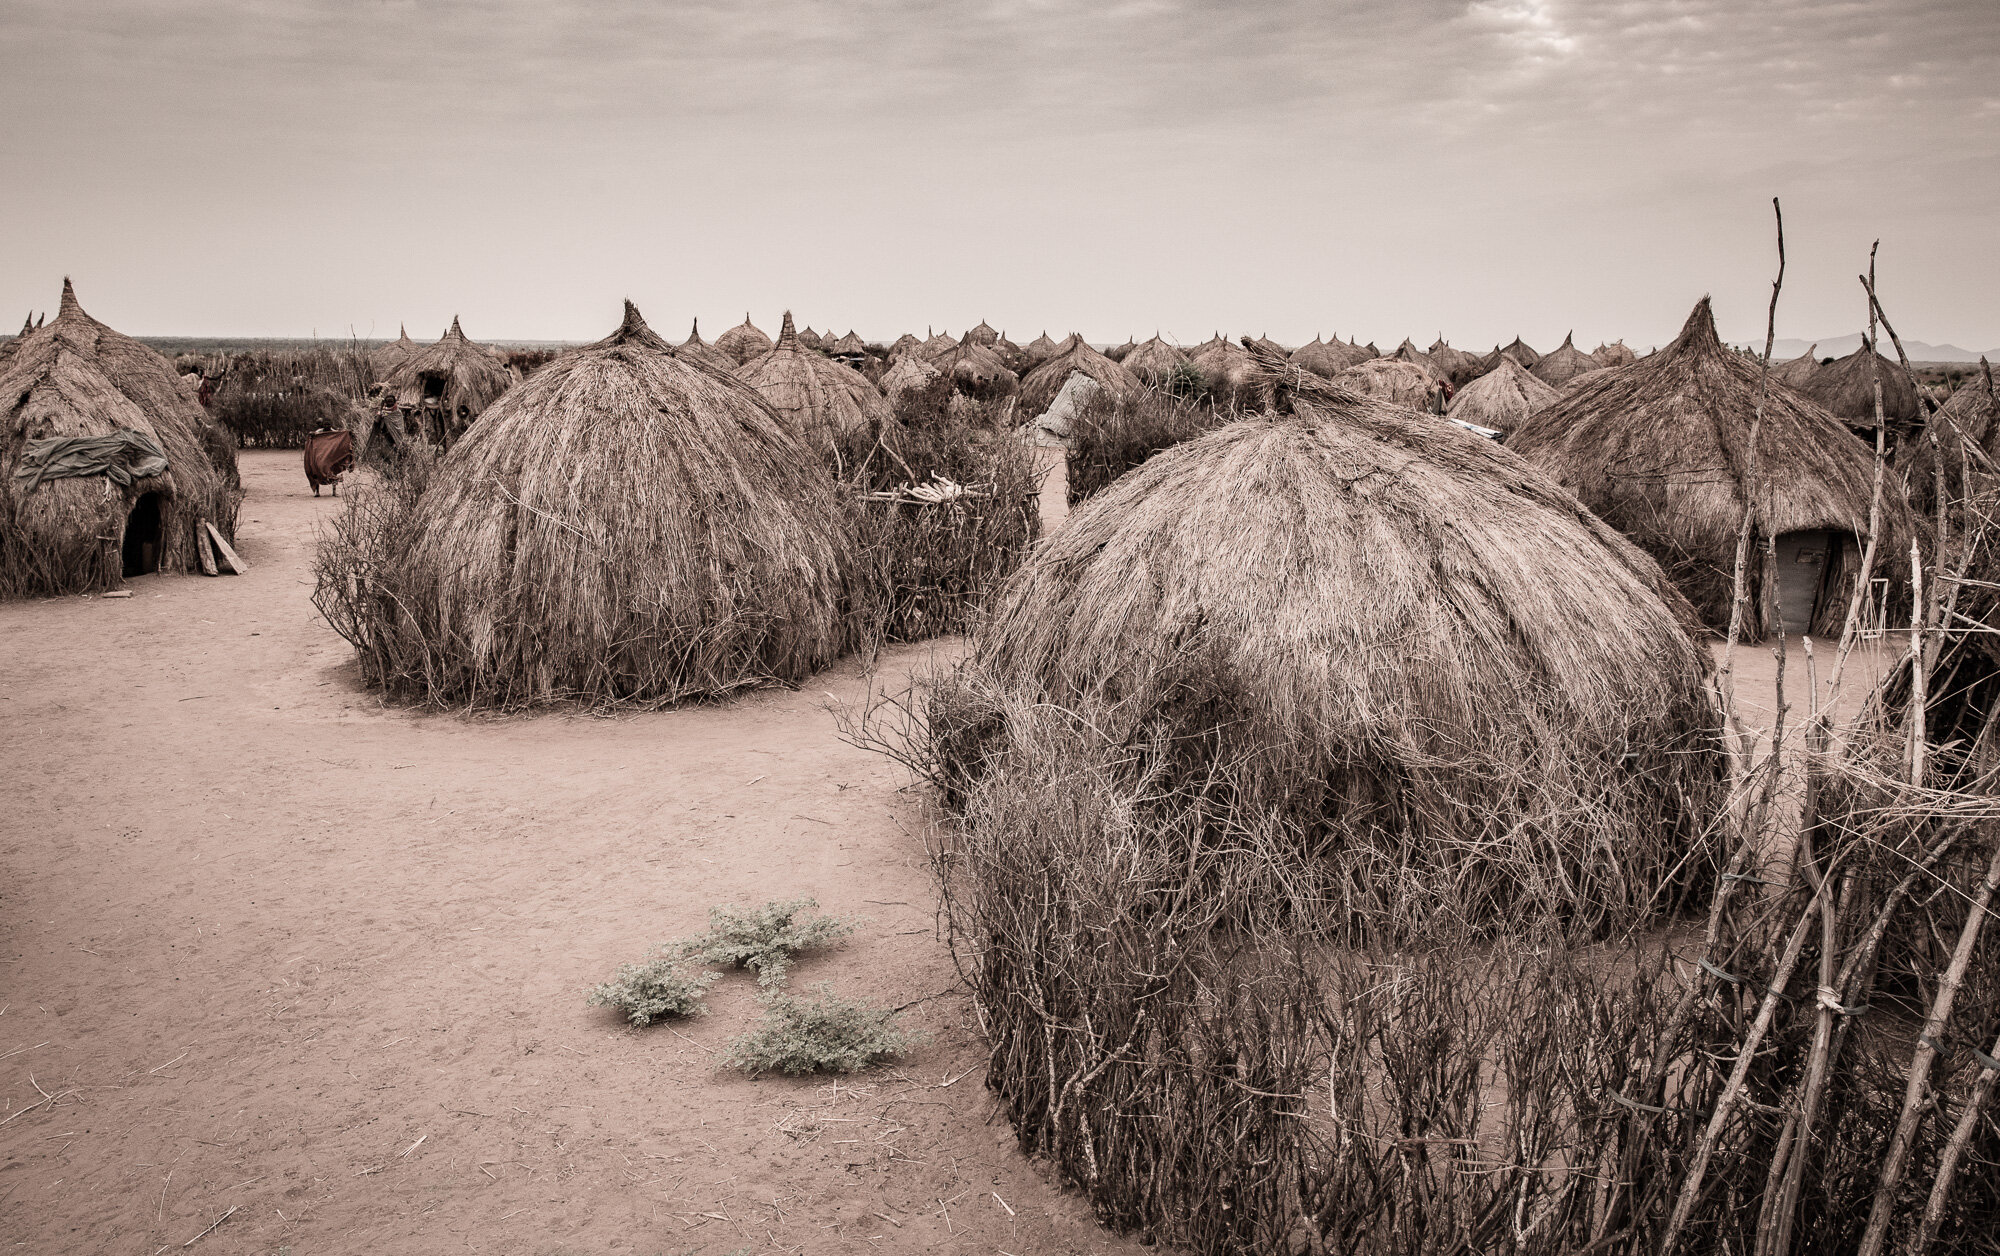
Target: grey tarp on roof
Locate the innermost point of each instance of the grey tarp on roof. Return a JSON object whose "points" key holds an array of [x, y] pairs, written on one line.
{"points": [[123, 456]]}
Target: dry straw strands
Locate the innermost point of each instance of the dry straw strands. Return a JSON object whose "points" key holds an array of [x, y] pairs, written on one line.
{"points": [[1565, 364], [77, 377], [1153, 361], [1659, 450], [1798, 372], [1225, 369], [695, 349], [1392, 380], [1502, 398], [625, 527], [1846, 388], [818, 398], [1329, 359], [743, 342]]}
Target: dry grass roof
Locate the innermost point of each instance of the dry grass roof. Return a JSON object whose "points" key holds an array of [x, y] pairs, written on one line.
{"points": [[392, 355], [1502, 398], [1455, 365], [983, 335], [1796, 373], [1521, 352], [820, 399], [1846, 387], [1392, 380], [627, 527], [1153, 360], [906, 371], [1329, 359], [76, 377], [1040, 385], [1967, 423], [1039, 348], [975, 367], [695, 349], [1565, 364], [1614, 354], [1660, 450], [905, 343], [743, 342], [472, 377], [1225, 368]]}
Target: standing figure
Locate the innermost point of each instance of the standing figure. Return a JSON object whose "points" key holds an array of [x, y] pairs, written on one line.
{"points": [[329, 455]]}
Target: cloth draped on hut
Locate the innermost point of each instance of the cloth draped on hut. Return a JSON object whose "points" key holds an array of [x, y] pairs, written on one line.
{"points": [[123, 456]]}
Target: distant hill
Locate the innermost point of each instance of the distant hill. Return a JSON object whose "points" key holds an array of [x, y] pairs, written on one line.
{"points": [[1841, 346]]}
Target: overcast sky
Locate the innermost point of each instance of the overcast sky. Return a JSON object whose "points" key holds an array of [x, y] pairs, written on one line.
{"points": [[1381, 168]]}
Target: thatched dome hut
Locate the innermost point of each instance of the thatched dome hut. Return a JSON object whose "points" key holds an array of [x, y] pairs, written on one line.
{"points": [[905, 343], [107, 467], [1391, 380], [810, 338], [1796, 373], [1226, 369], [1118, 353], [1408, 352], [1039, 349], [743, 342], [1456, 365], [1329, 359], [983, 335], [1614, 354], [937, 345], [1012, 354], [443, 387], [1522, 353], [1402, 637], [1269, 345], [386, 359], [1660, 450], [1153, 361], [624, 527], [1968, 421], [1565, 364], [976, 370], [820, 399], [1040, 386], [695, 349], [906, 371], [1846, 388], [848, 346], [1502, 398]]}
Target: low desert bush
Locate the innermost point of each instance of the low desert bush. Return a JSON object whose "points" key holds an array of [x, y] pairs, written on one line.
{"points": [[827, 1034], [275, 399], [764, 939], [654, 990]]}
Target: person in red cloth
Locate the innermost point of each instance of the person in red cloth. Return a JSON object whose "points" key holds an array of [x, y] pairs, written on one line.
{"points": [[329, 455]]}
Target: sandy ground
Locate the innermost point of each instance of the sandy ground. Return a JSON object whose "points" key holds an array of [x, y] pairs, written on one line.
{"points": [[270, 946]]}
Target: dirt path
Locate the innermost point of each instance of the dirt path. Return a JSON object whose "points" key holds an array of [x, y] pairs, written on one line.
{"points": [[272, 947]]}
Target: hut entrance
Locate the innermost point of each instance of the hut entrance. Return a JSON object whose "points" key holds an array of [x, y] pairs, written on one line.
{"points": [[1805, 561], [142, 536]]}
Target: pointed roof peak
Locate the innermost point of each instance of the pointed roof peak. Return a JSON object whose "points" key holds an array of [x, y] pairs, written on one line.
{"points": [[456, 330], [788, 334], [633, 323], [69, 302]]}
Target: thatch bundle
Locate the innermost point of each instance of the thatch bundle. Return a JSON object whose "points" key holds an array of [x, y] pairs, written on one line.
{"points": [[392, 355], [77, 378], [1660, 450], [1369, 623], [1039, 349], [625, 527], [1502, 398], [1520, 352], [1392, 380], [743, 342], [1226, 370], [905, 372], [695, 349], [1614, 354], [976, 370], [443, 387], [818, 398], [1153, 361], [983, 335], [1565, 364], [1040, 385], [1846, 388]]}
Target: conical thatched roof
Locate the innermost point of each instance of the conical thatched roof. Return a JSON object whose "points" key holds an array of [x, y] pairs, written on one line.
{"points": [[1660, 450], [938, 345], [1502, 398], [976, 369], [1225, 368], [1118, 353], [1329, 359], [907, 371], [850, 344], [1796, 373], [1266, 343], [819, 398], [905, 343], [983, 335], [695, 349], [809, 338], [1969, 419], [626, 527], [447, 385], [75, 377], [1520, 352], [1566, 363], [1153, 361], [1408, 352], [1040, 386], [1614, 354], [392, 355], [1846, 387], [743, 342], [1039, 349], [1392, 380], [1456, 365], [1363, 619]]}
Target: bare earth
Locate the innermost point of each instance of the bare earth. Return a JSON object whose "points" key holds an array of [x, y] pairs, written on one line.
{"points": [[269, 946]]}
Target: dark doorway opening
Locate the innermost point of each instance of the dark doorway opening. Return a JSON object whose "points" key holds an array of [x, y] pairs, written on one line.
{"points": [[142, 536], [1808, 563]]}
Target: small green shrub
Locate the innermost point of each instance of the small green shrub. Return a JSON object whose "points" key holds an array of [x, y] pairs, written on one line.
{"points": [[828, 1034], [764, 939], [654, 990]]}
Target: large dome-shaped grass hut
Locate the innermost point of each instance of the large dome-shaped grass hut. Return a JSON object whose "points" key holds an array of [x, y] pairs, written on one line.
{"points": [[1040, 385], [1153, 361], [1408, 352], [1329, 359], [1967, 426], [443, 387], [1521, 352], [1039, 349], [625, 527], [1464, 688], [976, 370], [1614, 354], [1456, 365], [1660, 450], [1226, 370], [905, 372], [743, 342], [1564, 364], [695, 349], [1502, 398], [107, 466], [905, 343], [1798, 372], [983, 335], [1846, 388], [386, 359], [820, 399]]}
